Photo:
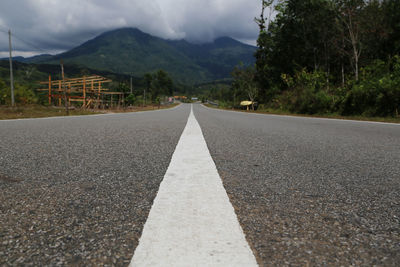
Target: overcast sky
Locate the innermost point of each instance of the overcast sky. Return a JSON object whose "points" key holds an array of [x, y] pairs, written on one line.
{"points": [[51, 26]]}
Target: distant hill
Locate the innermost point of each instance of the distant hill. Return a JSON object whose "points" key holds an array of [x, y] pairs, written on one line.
{"points": [[34, 59], [130, 50]]}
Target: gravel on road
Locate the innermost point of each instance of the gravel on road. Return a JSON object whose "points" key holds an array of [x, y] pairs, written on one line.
{"points": [[310, 191], [77, 190]]}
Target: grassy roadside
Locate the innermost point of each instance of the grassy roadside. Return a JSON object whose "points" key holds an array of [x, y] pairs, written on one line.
{"points": [[327, 116], [38, 111]]}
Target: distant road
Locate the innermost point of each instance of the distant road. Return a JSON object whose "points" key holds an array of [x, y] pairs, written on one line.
{"points": [[305, 191]]}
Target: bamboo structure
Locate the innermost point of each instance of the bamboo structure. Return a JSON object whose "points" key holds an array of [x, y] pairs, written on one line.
{"points": [[87, 91]]}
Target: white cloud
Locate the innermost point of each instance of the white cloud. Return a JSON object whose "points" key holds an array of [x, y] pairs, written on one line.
{"points": [[61, 25]]}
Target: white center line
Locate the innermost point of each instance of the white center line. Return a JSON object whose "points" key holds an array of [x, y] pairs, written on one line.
{"points": [[192, 222]]}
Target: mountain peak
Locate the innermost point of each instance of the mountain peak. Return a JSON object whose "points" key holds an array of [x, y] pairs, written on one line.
{"points": [[228, 41], [130, 50], [127, 30], [225, 40]]}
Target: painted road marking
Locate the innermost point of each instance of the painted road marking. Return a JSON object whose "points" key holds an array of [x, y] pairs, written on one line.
{"points": [[192, 222]]}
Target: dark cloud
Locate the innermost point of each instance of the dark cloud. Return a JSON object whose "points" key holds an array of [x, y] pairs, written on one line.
{"points": [[56, 25]]}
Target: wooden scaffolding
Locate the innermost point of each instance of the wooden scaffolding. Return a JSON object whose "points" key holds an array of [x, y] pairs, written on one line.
{"points": [[88, 91]]}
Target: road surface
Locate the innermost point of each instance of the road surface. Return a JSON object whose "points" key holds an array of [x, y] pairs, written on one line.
{"points": [[79, 190]]}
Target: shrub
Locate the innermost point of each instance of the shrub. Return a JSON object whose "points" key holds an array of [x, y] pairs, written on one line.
{"points": [[306, 93], [22, 94], [130, 99], [378, 91]]}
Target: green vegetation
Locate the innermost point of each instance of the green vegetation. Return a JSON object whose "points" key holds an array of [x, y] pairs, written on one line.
{"points": [[27, 77], [161, 67], [263, 110], [158, 84], [324, 57]]}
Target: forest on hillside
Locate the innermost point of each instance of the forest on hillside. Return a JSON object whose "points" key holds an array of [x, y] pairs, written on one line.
{"points": [[323, 56]]}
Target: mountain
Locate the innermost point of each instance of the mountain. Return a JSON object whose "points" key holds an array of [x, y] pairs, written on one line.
{"points": [[130, 50], [34, 59]]}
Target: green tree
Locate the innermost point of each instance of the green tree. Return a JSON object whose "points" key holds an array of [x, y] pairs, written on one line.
{"points": [[5, 96], [340, 41], [130, 100], [244, 80], [161, 84], [23, 94], [350, 14], [148, 79], [264, 45], [164, 82]]}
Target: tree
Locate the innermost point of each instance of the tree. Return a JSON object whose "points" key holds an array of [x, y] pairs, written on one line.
{"points": [[4, 93], [264, 45], [162, 84], [391, 14], [23, 94], [123, 87], [244, 80], [349, 12], [335, 40], [148, 79], [130, 100]]}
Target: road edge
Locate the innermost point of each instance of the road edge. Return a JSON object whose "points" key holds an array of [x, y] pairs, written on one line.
{"points": [[302, 117]]}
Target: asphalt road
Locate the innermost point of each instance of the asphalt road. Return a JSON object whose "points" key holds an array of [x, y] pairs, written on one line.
{"points": [[310, 191], [78, 190]]}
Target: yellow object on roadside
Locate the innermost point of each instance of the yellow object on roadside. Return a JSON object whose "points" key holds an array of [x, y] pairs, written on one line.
{"points": [[246, 103]]}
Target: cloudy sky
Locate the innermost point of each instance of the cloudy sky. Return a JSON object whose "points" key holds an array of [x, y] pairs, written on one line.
{"points": [[51, 26]]}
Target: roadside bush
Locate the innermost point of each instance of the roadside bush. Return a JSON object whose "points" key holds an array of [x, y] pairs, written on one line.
{"points": [[22, 94], [138, 100], [225, 104], [4, 93], [130, 99], [378, 91], [306, 93]]}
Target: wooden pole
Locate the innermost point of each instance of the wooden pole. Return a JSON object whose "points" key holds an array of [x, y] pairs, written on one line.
{"points": [[98, 96], [49, 90], [84, 91], [92, 88], [65, 89], [69, 94], [59, 93]]}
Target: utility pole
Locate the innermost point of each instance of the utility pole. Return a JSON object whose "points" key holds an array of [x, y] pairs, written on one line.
{"points": [[65, 89], [11, 71]]}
